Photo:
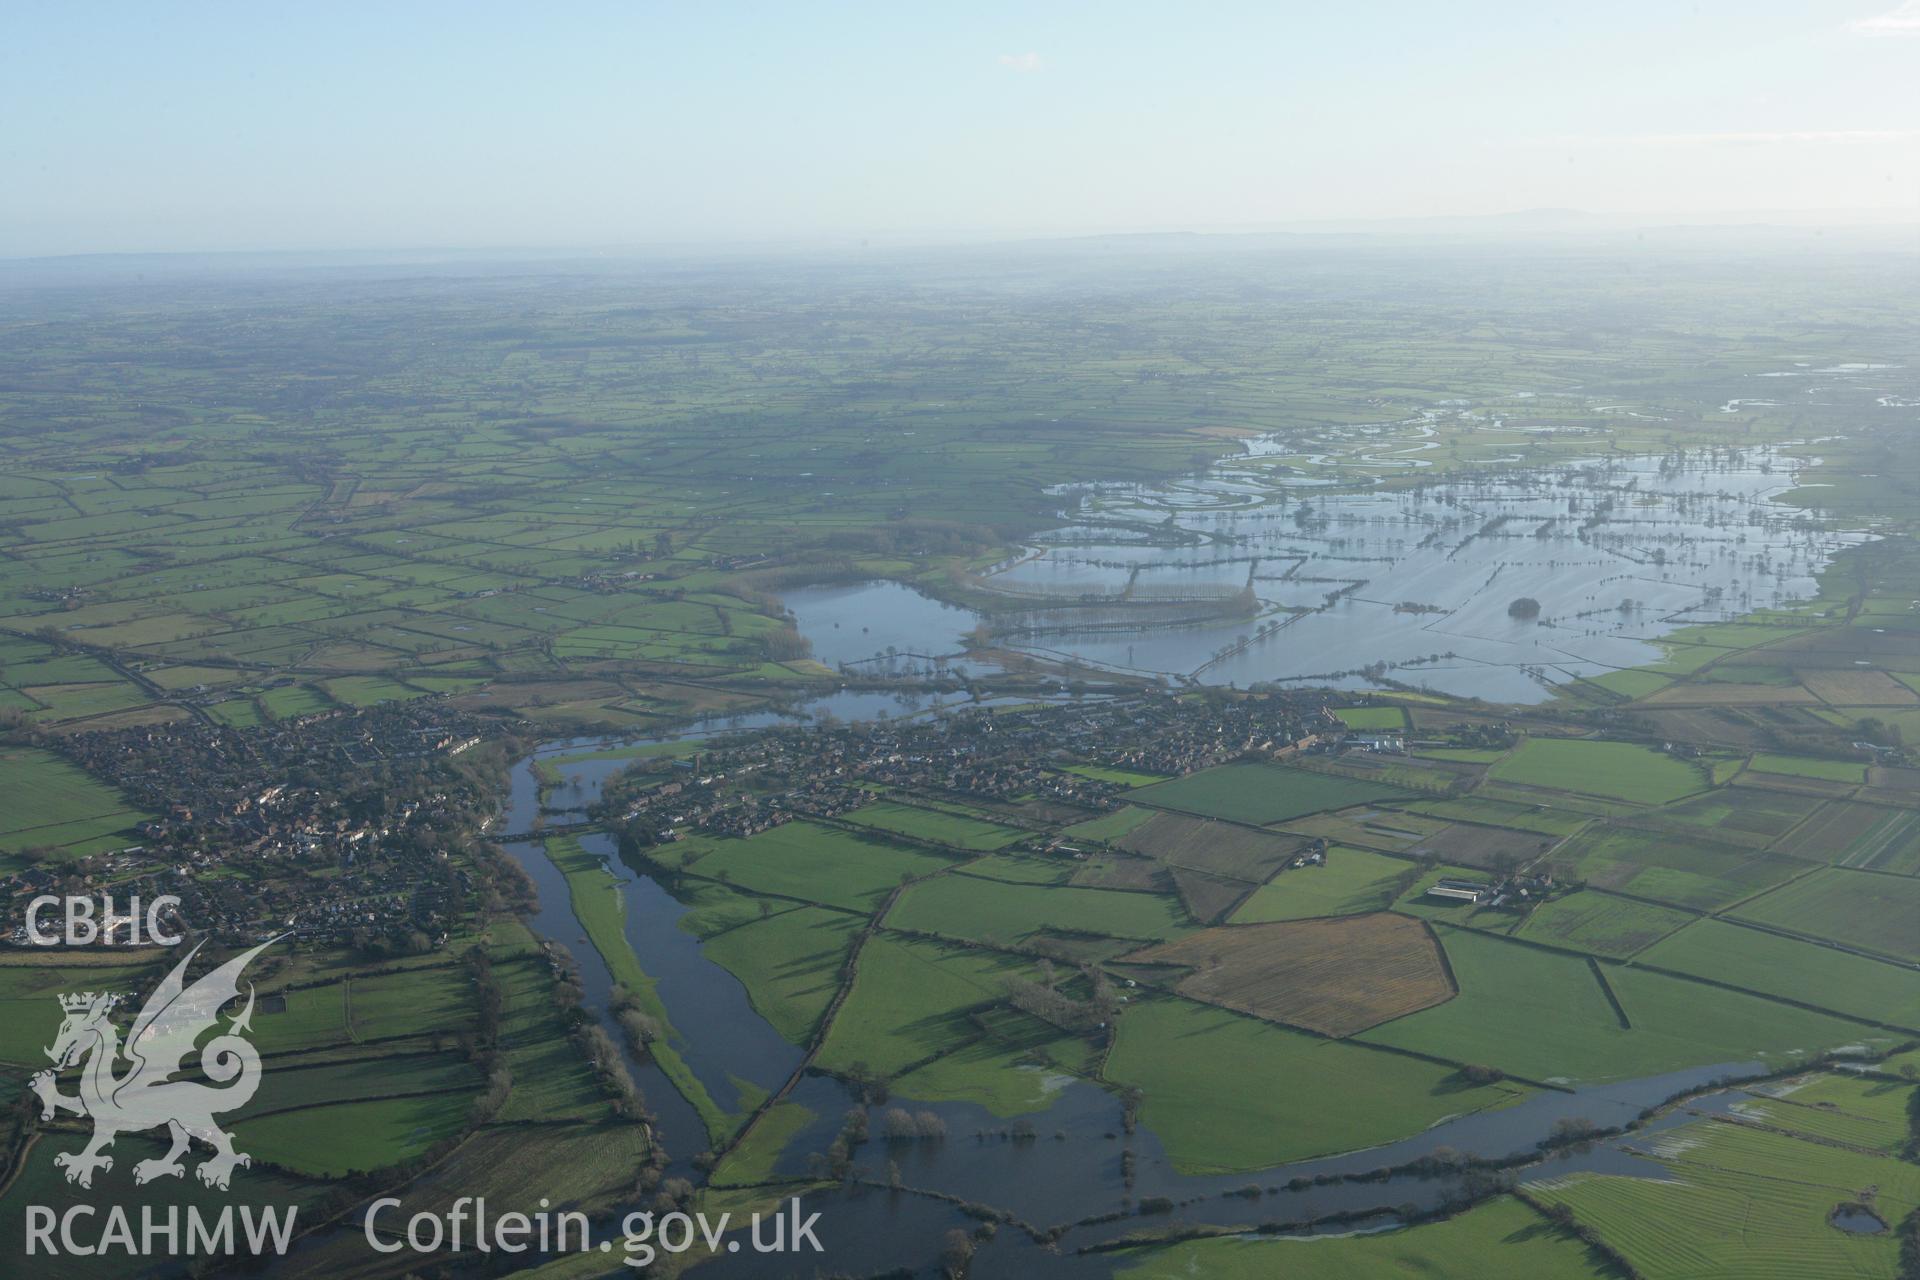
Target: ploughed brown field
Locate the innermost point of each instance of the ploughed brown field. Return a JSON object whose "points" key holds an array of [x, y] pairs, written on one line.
{"points": [[1337, 976], [1208, 898], [1203, 844]]}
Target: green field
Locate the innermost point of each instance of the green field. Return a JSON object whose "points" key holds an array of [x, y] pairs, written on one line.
{"points": [[935, 825], [292, 702], [815, 863], [909, 1003], [1854, 1111], [1544, 1016], [1373, 719], [1018, 1066], [1018, 868], [1260, 794], [1460, 755], [1857, 908], [790, 963], [335, 1140], [420, 999], [715, 908], [314, 1017], [1803, 971], [30, 986], [1631, 684], [1604, 925], [1353, 881], [48, 804], [1502, 1239], [1225, 1093], [551, 1080], [959, 906], [1615, 770], [1809, 767], [753, 1160], [1109, 826]]}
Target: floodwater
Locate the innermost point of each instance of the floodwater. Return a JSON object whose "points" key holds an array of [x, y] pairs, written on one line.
{"points": [[1617, 551], [878, 628], [1857, 1219], [1068, 1172], [677, 1122]]}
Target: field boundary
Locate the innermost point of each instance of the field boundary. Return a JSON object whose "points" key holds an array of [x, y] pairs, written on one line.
{"points": [[1606, 989]]}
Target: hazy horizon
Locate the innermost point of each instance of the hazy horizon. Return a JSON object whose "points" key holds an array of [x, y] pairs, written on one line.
{"points": [[221, 128]]}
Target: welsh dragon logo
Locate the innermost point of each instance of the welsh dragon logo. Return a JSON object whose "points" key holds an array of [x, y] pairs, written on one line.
{"points": [[143, 1097]]}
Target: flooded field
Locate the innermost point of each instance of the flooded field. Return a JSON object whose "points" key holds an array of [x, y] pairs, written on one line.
{"points": [[1242, 574], [879, 628]]}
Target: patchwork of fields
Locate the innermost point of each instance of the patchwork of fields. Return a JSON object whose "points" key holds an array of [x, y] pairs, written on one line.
{"points": [[1621, 970], [361, 1073], [575, 511]]}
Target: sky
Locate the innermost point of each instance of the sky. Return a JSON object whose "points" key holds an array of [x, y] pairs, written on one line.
{"points": [[169, 127]]}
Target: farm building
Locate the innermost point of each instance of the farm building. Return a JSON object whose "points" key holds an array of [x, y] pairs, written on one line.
{"points": [[1459, 890]]}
